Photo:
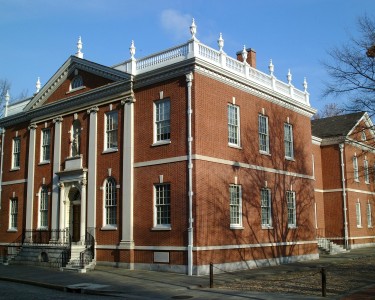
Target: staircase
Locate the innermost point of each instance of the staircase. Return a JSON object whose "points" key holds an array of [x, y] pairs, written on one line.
{"points": [[80, 260], [329, 247]]}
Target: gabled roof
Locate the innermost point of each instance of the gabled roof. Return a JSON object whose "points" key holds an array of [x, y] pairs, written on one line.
{"points": [[335, 126], [70, 65]]}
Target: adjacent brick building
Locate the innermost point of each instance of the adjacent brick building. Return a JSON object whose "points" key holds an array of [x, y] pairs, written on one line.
{"points": [[169, 162], [343, 148]]}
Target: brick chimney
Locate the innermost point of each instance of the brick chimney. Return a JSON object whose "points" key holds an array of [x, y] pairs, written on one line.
{"points": [[251, 57]]}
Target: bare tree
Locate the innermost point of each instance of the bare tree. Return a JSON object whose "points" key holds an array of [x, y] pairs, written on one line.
{"points": [[352, 69], [330, 110], [4, 87]]}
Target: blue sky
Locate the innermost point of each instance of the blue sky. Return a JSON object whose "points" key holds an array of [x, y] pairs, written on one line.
{"points": [[38, 36]]}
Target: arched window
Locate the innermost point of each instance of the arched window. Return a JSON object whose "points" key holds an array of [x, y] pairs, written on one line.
{"points": [[76, 82], [43, 207], [110, 202], [76, 138]]}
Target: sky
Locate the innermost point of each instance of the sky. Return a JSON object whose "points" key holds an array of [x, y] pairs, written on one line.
{"points": [[38, 36]]}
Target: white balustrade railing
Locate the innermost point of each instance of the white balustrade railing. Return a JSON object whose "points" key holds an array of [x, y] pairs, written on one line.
{"points": [[196, 49]]}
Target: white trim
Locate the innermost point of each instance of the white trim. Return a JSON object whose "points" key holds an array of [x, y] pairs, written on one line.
{"points": [[316, 140], [348, 190], [14, 182], [362, 237], [208, 248], [160, 161]]}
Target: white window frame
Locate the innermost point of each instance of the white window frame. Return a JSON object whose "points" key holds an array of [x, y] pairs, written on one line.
{"points": [[111, 131], [369, 215], [263, 134], [291, 206], [45, 145], [355, 169], [16, 152], [358, 214], [288, 141], [13, 214], [162, 206], [43, 208], [162, 121], [234, 125], [110, 204], [366, 171], [235, 202], [266, 208]]}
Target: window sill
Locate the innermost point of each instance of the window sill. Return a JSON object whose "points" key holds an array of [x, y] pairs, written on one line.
{"points": [[235, 146], [370, 227], [45, 162], [237, 227], [161, 143], [359, 226], [264, 153], [161, 228], [356, 180], [15, 169], [76, 89], [42, 229], [110, 150], [289, 158], [292, 227], [12, 230], [367, 182], [267, 227], [109, 227]]}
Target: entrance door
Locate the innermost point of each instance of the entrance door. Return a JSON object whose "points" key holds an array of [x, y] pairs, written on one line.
{"points": [[76, 223]]}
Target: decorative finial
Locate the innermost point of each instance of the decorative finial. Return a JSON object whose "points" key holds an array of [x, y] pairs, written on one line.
{"points": [[132, 49], [220, 42], [244, 54], [289, 77], [79, 54], [193, 29], [305, 85], [37, 85], [7, 98], [271, 67]]}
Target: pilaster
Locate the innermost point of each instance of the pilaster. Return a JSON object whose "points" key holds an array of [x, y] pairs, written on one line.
{"points": [[92, 167]]}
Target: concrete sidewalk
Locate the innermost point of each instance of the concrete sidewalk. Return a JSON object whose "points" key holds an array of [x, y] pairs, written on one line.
{"points": [[109, 281]]}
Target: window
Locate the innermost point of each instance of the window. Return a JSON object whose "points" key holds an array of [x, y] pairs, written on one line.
{"points": [[16, 152], [43, 207], [233, 125], [162, 205], [355, 168], [369, 216], [111, 130], [266, 217], [110, 202], [291, 203], [358, 214], [77, 82], [264, 143], [13, 214], [288, 141], [162, 120], [366, 172], [235, 205], [46, 145], [363, 136]]}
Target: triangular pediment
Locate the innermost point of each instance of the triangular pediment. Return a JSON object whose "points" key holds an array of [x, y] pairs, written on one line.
{"points": [[75, 76], [363, 130]]}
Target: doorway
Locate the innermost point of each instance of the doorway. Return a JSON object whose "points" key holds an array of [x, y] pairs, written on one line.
{"points": [[76, 226]]}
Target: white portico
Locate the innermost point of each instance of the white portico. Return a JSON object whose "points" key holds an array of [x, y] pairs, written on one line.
{"points": [[72, 208]]}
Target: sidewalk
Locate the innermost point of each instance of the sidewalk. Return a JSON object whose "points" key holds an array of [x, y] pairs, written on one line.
{"points": [[156, 285]]}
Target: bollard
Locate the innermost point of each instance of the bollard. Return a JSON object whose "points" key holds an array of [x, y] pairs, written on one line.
{"points": [[324, 282], [211, 275]]}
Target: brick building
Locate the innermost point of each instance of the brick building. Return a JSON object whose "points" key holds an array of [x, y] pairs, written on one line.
{"points": [[168, 162], [343, 148]]}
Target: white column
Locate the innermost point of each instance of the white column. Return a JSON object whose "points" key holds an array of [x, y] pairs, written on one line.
{"points": [[62, 212], [30, 181], [91, 178], [128, 173], [83, 210], [55, 178]]}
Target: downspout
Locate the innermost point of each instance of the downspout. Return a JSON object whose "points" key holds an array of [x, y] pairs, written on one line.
{"points": [[344, 195], [189, 80], [1, 161]]}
